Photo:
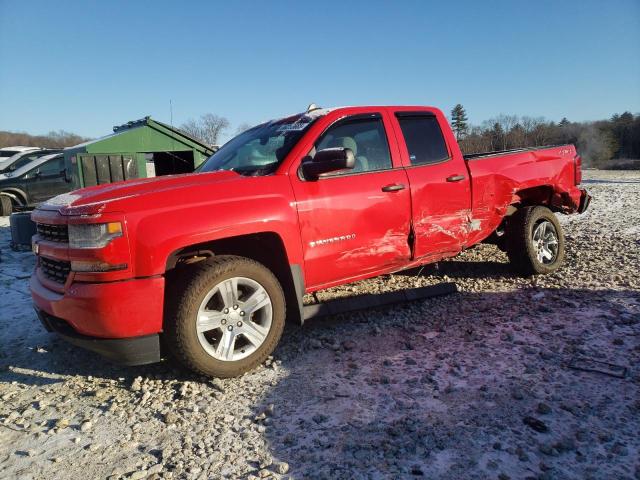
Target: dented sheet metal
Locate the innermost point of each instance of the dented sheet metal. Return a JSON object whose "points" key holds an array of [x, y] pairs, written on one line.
{"points": [[392, 247], [444, 232]]}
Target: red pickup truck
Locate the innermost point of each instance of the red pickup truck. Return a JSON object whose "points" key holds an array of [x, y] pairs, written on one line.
{"points": [[208, 264]]}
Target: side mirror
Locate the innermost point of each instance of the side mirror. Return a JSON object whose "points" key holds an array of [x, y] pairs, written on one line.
{"points": [[36, 174], [327, 161]]}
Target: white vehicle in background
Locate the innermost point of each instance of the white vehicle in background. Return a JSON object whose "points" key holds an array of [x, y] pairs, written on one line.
{"points": [[11, 151]]}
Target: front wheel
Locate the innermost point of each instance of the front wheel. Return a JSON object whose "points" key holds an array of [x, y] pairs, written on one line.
{"points": [[226, 316], [534, 241], [6, 206]]}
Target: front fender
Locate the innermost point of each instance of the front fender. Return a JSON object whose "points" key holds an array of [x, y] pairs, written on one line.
{"points": [[157, 234]]}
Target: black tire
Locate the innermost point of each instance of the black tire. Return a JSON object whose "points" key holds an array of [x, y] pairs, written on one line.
{"points": [[6, 206], [519, 242], [191, 288]]}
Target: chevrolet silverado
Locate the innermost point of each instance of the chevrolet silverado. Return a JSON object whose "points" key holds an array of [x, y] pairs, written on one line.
{"points": [[207, 265]]}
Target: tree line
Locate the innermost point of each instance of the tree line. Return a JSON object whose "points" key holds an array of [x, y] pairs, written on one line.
{"points": [[59, 139], [612, 143]]}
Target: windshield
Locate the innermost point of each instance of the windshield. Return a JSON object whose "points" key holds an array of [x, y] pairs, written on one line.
{"points": [[259, 150], [32, 165], [18, 161]]}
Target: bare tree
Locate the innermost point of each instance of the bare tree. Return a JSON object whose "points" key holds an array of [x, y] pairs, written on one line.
{"points": [[506, 122], [209, 128], [243, 127], [475, 141], [517, 136], [543, 133], [528, 125]]}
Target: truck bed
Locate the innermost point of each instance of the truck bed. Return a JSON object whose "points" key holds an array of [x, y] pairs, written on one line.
{"points": [[540, 175], [474, 156]]}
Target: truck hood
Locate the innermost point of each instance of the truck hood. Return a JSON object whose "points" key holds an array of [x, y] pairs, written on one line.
{"points": [[123, 196]]}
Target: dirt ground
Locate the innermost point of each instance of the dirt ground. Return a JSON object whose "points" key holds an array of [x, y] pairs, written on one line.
{"points": [[479, 384]]}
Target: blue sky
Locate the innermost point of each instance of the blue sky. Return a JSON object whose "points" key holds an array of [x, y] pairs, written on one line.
{"points": [[85, 66]]}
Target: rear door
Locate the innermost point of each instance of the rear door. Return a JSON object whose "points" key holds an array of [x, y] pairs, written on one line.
{"points": [[440, 185], [355, 222]]}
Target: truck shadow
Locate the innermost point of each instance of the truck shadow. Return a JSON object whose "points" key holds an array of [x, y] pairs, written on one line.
{"points": [[40, 358], [440, 388], [435, 388]]}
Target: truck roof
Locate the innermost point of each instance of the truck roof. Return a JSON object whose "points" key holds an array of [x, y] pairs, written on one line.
{"points": [[18, 148]]}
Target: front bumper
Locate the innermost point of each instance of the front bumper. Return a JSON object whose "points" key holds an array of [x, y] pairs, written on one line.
{"points": [[125, 351], [131, 308], [120, 320]]}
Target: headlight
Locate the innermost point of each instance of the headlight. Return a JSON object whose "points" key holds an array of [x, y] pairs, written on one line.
{"points": [[93, 235]]}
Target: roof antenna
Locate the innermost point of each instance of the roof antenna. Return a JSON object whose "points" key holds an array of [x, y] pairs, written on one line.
{"points": [[312, 107]]}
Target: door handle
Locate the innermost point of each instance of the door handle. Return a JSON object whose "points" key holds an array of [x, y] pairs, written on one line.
{"points": [[455, 178], [394, 187]]}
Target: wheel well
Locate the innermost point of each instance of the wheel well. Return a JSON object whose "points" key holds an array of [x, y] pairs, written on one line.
{"points": [[265, 247], [543, 195], [17, 197], [528, 197]]}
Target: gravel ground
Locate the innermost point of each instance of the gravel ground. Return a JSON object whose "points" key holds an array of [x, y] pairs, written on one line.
{"points": [[474, 385]]}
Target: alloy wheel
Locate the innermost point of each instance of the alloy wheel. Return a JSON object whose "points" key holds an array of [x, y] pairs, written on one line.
{"points": [[234, 319], [545, 242]]}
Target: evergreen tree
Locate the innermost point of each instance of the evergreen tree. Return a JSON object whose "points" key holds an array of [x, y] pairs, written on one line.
{"points": [[497, 135], [564, 122], [459, 121]]}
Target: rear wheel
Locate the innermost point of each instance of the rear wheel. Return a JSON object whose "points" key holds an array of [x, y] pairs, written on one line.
{"points": [[6, 207], [226, 317], [534, 241]]}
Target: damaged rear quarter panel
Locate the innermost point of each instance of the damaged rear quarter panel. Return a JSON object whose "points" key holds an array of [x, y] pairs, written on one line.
{"points": [[503, 180]]}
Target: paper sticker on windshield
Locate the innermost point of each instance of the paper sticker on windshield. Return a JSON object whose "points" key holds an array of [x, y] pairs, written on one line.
{"points": [[292, 127]]}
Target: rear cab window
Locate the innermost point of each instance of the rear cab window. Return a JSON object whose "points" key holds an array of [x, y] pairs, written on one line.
{"points": [[423, 137]]}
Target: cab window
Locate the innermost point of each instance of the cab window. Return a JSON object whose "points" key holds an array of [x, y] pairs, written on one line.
{"points": [[22, 161], [51, 167], [367, 139], [424, 139]]}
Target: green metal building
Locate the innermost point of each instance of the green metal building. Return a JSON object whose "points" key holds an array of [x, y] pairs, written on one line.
{"points": [[137, 149]]}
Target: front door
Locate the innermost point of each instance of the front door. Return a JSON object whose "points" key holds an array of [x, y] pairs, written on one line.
{"points": [[440, 187], [47, 181], [354, 222]]}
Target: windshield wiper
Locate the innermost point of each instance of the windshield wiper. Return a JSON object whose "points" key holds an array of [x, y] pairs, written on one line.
{"points": [[254, 171]]}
